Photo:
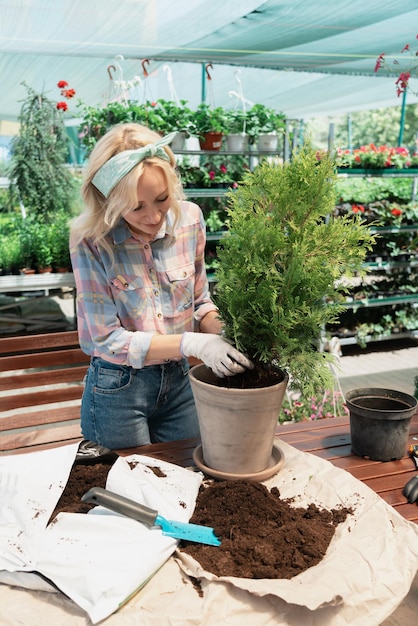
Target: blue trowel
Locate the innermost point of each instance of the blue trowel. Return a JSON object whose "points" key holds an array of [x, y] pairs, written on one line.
{"points": [[150, 517]]}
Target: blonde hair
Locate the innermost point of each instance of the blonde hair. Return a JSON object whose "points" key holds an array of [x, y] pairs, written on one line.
{"points": [[101, 214]]}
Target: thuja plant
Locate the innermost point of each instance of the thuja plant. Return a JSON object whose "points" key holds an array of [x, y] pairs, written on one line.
{"points": [[281, 265], [39, 177]]}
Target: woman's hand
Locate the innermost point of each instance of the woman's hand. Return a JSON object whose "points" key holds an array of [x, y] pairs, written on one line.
{"points": [[215, 352]]}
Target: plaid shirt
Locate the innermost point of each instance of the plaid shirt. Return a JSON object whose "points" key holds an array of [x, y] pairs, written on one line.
{"points": [[157, 287]]}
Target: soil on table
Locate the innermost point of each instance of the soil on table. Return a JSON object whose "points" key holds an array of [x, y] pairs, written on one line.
{"points": [[262, 535]]}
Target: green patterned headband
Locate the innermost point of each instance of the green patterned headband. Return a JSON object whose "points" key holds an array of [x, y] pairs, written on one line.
{"points": [[111, 172]]}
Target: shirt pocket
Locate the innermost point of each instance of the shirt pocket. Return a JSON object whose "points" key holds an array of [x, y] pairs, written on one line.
{"points": [[181, 285], [129, 295]]}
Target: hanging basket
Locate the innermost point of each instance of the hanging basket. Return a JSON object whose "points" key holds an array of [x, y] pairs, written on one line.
{"points": [[237, 142]]}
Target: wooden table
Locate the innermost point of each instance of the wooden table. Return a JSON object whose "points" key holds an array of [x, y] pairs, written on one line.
{"points": [[330, 440]]}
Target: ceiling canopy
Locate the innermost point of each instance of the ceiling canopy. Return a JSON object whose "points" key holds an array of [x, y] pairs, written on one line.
{"points": [[303, 58]]}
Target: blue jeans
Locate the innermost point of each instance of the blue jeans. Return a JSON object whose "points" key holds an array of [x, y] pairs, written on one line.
{"points": [[123, 407]]}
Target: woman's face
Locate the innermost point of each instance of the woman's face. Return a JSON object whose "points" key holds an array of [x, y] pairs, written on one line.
{"points": [[153, 203]]}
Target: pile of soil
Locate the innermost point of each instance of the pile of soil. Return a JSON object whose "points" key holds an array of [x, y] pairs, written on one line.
{"points": [[262, 535]]}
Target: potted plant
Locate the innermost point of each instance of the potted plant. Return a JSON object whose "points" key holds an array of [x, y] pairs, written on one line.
{"points": [[96, 121], [175, 117], [277, 287], [264, 124], [237, 137], [209, 125], [40, 179]]}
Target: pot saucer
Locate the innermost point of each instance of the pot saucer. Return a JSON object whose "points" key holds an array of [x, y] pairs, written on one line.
{"points": [[276, 462]]}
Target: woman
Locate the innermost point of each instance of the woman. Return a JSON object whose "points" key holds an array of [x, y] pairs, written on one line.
{"points": [[143, 298]]}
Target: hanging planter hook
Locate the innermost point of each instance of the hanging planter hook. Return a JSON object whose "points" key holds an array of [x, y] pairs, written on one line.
{"points": [[209, 65], [143, 66], [111, 67]]}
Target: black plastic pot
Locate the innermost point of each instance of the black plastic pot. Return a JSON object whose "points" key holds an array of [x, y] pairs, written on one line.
{"points": [[379, 422]]}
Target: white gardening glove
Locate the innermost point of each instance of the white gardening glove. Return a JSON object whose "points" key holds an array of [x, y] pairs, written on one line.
{"points": [[215, 352]]}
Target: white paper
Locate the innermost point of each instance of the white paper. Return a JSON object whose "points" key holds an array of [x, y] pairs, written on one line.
{"points": [[98, 560]]}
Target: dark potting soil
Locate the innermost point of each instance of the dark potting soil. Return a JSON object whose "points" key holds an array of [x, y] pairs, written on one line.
{"points": [[82, 478], [260, 376], [262, 535]]}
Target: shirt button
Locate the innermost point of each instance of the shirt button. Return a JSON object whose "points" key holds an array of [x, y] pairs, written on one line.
{"points": [[151, 270], [155, 292], [146, 246], [184, 274], [159, 315]]}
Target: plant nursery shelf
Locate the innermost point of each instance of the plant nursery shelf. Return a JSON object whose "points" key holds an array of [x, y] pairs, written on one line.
{"points": [[405, 173], [408, 228], [371, 302], [389, 265], [210, 192], [346, 341], [212, 153]]}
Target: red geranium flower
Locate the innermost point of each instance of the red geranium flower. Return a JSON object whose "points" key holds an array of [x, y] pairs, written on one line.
{"points": [[62, 106], [62, 84], [68, 93], [357, 208], [396, 212]]}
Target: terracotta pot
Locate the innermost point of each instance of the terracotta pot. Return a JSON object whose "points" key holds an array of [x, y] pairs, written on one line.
{"points": [[237, 427], [211, 141], [379, 422]]}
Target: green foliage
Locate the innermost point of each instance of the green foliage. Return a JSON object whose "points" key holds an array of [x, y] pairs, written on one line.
{"points": [[173, 116], [379, 126], [30, 243], [262, 119], [365, 190], [10, 253], [280, 262], [98, 120], [208, 119], [236, 121], [39, 177]]}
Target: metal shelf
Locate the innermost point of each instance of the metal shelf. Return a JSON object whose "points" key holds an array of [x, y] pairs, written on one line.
{"points": [[347, 172], [347, 341], [209, 192], [374, 302]]}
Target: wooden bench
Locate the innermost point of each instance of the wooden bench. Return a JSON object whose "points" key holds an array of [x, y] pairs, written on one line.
{"points": [[41, 383]]}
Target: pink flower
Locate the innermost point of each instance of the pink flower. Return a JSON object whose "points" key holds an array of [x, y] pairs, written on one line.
{"points": [[379, 62]]}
